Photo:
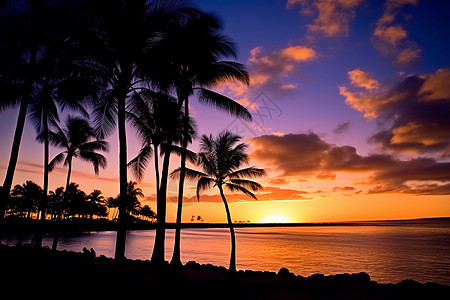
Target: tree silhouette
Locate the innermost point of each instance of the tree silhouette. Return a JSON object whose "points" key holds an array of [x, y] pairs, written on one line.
{"points": [[25, 198], [220, 159], [40, 69], [195, 51], [155, 118], [78, 140], [119, 36]]}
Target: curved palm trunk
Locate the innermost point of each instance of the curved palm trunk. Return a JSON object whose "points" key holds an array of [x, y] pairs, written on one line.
{"points": [[6, 188], [14, 156], [161, 195], [176, 256], [232, 267]]}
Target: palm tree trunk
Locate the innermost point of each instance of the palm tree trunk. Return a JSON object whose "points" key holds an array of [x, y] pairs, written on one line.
{"points": [[232, 267], [14, 156], [122, 222], [161, 197], [46, 161], [155, 153], [176, 256], [6, 188], [43, 205], [69, 172]]}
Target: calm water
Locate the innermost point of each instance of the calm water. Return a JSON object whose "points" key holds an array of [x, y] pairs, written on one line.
{"points": [[388, 253]]}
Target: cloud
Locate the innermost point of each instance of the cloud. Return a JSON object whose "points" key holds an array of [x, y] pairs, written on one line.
{"points": [[270, 71], [414, 113], [269, 193], [342, 127], [273, 66], [392, 39], [306, 154], [331, 17], [360, 78]]}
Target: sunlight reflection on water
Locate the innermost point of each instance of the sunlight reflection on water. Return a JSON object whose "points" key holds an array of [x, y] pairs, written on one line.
{"points": [[386, 253]]}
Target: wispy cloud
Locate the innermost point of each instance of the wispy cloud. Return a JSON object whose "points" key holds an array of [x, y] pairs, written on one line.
{"points": [[272, 71], [332, 18], [391, 38]]}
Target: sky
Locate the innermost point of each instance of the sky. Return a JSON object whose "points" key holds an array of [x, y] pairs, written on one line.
{"points": [[350, 102]]}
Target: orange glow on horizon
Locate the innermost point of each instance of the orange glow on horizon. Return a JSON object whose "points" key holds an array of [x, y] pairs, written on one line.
{"points": [[276, 219]]}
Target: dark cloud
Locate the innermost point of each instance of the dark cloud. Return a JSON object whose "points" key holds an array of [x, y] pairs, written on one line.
{"points": [[342, 127], [306, 154], [413, 114]]}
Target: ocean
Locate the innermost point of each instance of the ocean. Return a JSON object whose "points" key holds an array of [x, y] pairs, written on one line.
{"points": [[389, 251]]}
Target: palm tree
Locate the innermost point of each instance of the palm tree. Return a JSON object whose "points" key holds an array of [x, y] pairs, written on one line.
{"points": [[147, 213], [78, 140], [220, 161], [41, 68], [120, 35], [160, 129], [27, 197], [195, 50], [20, 48], [133, 206], [97, 203]]}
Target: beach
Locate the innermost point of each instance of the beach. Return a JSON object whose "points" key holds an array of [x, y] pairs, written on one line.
{"points": [[27, 271]]}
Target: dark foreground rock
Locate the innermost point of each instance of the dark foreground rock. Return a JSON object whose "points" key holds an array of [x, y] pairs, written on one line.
{"points": [[26, 272]]}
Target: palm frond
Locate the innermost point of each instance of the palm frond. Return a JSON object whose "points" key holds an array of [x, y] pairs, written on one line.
{"points": [[225, 71], [96, 159], [190, 155], [94, 145], [139, 164], [190, 174], [56, 160], [250, 172], [204, 183], [208, 97], [248, 184], [237, 188], [105, 115]]}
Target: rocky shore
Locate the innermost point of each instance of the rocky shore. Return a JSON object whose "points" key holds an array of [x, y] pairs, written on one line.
{"points": [[54, 274]]}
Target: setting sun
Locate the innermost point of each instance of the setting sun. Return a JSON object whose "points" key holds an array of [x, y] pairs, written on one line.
{"points": [[276, 219]]}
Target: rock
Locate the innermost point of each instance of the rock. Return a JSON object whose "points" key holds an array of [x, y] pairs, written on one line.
{"points": [[317, 277], [283, 272], [361, 277], [192, 265]]}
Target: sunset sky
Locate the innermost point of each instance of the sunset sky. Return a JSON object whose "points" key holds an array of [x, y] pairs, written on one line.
{"points": [[351, 108]]}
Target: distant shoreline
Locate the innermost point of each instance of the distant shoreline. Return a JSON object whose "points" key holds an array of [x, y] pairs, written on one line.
{"points": [[84, 225]]}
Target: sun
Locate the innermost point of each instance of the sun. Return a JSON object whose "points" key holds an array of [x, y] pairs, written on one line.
{"points": [[276, 219]]}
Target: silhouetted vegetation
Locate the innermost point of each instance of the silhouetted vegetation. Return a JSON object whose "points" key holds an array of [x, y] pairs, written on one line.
{"points": [[73, 203], [220, 160], [138, 61]]}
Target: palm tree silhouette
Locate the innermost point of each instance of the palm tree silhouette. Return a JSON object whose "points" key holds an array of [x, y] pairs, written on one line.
{"points": [[40, 72], [195, 51], [133, 205], [120, 35], [160, 129], [220, 160], [78, 140], [26, 197]]}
